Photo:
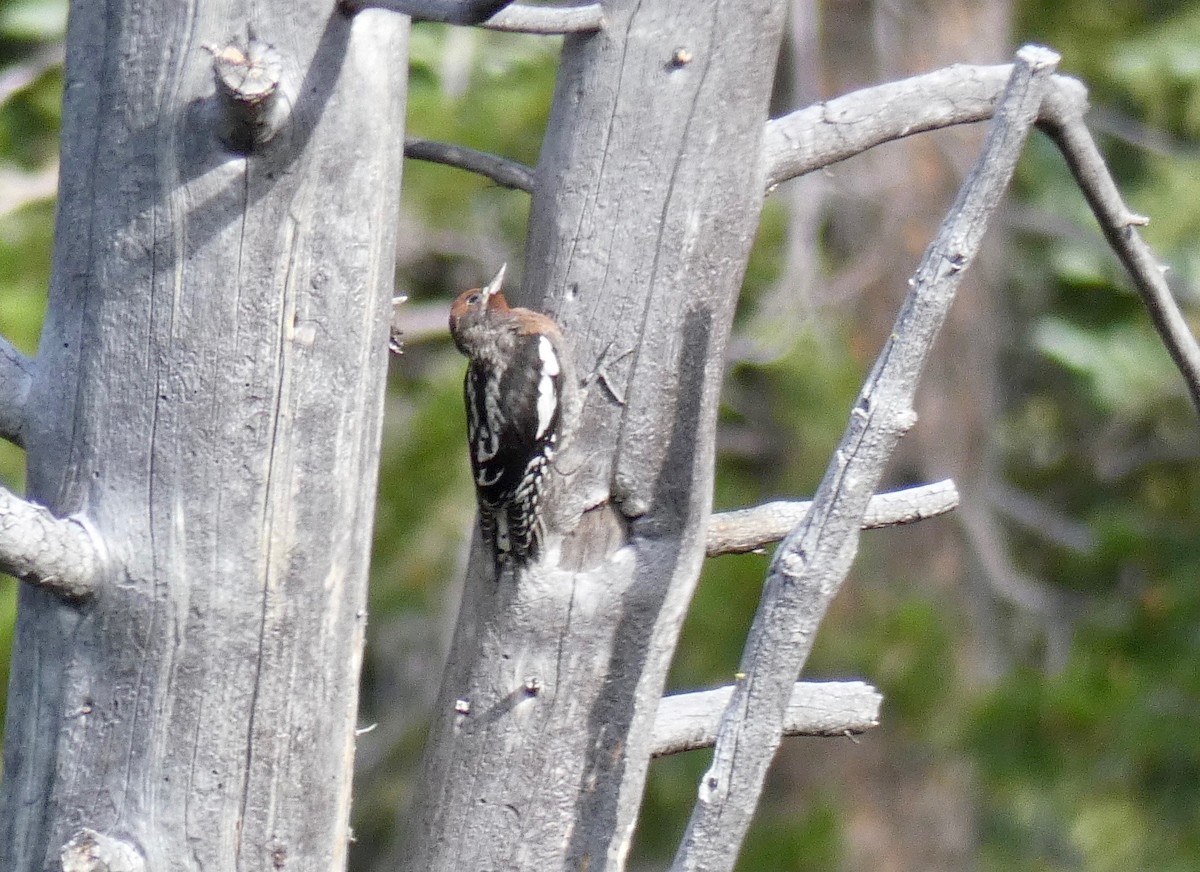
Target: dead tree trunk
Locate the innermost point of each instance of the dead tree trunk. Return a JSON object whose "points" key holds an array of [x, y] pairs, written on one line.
{"points": [[206, 405], [646, 199]]}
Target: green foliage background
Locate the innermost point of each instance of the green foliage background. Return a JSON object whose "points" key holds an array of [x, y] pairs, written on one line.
{"points": [[1095, 766]]}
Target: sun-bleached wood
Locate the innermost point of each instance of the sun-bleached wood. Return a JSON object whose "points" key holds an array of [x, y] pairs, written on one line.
{"points": [[58, 555], [208, 396], [813, 560], [688, 721], [646, 200], [742, 530]]}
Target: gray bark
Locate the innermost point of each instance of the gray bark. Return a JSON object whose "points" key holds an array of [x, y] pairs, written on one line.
{"points": [[687, 721], [208, 396], [647, 197], [62, 555], [744, 530], [813, 560]]}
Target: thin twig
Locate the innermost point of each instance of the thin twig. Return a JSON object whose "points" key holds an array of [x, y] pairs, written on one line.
{"points": [[743, 530], [501, 170], [814, 559], [60, 555], [687, 721], [1063, 121]]}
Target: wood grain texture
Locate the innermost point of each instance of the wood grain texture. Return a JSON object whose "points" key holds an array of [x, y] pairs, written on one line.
{"points": [[647, 197], [208, 393], [811, 563]]}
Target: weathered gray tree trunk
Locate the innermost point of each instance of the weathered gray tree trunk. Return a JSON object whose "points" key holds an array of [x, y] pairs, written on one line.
{"points": [[207, 396], [647, 198]]}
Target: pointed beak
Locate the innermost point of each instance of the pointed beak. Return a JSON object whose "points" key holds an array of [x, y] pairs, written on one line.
{"points": [[494, 285]]}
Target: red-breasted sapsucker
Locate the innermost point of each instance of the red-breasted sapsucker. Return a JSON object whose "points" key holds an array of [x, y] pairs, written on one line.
{"points": [[519, 391]]}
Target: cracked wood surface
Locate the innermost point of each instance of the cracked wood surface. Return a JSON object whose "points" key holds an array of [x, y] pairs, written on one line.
{"points": [[646, 199], [209, 394]]}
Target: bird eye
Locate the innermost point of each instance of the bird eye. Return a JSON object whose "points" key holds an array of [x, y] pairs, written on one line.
{"points": [[473, 299]]}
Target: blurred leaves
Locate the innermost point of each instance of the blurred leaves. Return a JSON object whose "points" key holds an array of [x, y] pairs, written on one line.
{"points": [[1124, 366], [33, 19]]}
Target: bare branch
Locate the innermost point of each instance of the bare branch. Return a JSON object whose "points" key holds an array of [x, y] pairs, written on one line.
{"points": [[520, 18], [466, 12], [744, 530], [494, 14], [502, 171], [59, 555], [813, 560], [826, 133], [1063, 121], [687, 721], [16, 374]]}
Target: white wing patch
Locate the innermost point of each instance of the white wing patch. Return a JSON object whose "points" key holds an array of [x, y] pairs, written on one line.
{"points": [[546, 401]]}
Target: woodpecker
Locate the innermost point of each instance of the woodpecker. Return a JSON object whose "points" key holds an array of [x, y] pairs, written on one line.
{"points": [[520, 396]]}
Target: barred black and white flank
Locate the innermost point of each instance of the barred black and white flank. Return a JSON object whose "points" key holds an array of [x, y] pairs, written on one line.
{"points": [[518, 397]]}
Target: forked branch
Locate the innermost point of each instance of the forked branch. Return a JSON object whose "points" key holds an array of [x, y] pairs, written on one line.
{"points": [[813, 560]]}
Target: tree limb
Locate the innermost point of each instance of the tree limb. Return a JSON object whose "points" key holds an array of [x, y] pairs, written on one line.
{"points": [[1063, 121], [825, 133], [743, 530], [828, 132], [813, 560], [687, 721], [59, 555], [513, 17], [16, 375], [466, 12], [547, 20], [507, 173]]}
